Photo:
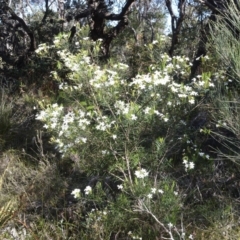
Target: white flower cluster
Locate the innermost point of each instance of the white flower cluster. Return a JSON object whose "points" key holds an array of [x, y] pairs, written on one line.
{"points": [[120, 187], [120, 66], [204, 155], [122, 107], [154, 191], [153, 94], [126, 109], [161, 80], [76, 193], [196, 151], [88, 190], [43, 48], [65, 86], [188, 165], [73, 62], [104, 123], [148, 81], [70, 127], [142, 173], [202, 82], [221, 124], [50, 114], [104, 78]]}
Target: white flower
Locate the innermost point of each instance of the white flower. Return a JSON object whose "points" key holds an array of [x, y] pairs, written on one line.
{"points": [[104, 152], [165, 119], [86, 59], [150, 195], [190, 236], [76, 192], [157, 112], [41, 116], [101, 126], [175, 90], [53, 125], [191, 101], [185, 162], [146, 110], [153, 190], [120, 187], [193, 93], [161, 191], [56, 41], [133, 117], [175, 193], [170, 225], [201, 154], [88, 190], [164, 80], [114, 136], [191, 165], [142, 173], [182, 95]]}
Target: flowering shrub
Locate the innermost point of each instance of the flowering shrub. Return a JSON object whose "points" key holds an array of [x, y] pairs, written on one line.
{"points": [[147, 97], [122, 126]]}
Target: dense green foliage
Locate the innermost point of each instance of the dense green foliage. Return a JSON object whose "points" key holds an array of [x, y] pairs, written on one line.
{"points": [[125, 147]]}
